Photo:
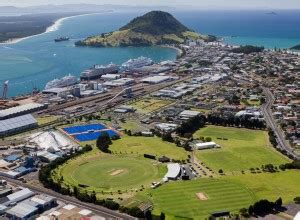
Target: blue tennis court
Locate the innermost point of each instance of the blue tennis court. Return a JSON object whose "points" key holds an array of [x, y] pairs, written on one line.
{"points": [[84, 128], [93, 136]]}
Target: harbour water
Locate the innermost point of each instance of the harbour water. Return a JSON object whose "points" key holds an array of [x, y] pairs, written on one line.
{"points": [[37, 60]]}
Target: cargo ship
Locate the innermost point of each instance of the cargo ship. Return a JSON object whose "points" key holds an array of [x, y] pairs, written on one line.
{"points": [[60, 39]]}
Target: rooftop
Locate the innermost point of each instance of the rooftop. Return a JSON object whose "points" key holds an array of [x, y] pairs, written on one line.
{"points": [[19, 109], [17, 122], [21, 210]]}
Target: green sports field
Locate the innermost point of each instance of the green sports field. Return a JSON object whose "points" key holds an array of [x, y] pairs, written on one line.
{"points": [[110, 174], [179, 199], [147, 145], [243, 150], [284, 184], [148, 105]]}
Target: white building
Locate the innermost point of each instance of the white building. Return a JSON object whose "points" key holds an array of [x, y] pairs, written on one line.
{"points": [[174, 171], [187, 114], [156, 79], [206, 145]]}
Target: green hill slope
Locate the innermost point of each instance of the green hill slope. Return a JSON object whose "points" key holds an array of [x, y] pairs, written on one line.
{"points": [[153, 28]]}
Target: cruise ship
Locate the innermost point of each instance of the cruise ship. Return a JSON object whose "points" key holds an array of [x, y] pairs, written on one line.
{"points": [[98, 70], [63, 82], [137, 63]]}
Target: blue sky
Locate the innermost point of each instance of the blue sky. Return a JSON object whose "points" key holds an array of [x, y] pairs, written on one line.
{"points": [[205, 4]]}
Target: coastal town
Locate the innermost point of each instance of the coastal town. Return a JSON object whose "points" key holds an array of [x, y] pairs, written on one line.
{"points": [[217, 128]]}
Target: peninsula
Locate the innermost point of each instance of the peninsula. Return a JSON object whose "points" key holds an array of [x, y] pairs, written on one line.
{"points": [[297, 47], [153, 28]]}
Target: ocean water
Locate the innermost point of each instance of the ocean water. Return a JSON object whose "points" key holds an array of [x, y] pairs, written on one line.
{"points": [[248, 27], [37, 60]]}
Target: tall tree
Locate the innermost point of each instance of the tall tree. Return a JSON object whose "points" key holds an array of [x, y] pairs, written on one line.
{"points": [[103, 141]]}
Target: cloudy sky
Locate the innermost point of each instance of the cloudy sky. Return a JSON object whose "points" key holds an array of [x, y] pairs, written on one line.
{"points": [[205, 4]]}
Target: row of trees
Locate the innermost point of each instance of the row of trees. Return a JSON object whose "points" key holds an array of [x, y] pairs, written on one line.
{"points": [[231, 120], [192, 125], [295, 165], [262, 207]]}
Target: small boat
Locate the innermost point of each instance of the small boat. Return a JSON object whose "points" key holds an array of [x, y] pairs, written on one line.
{"points": [[60, 39]]}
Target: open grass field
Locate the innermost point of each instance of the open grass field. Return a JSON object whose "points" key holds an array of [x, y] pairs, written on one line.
{"points": [[148, 145], [243, 150], [133, 125], [149, 105], [110, 174], [271, 186], [179, 199], [46, 119]]}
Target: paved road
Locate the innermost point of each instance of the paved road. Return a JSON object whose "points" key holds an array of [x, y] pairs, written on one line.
{"points": [[280, 137], [99, 210]]}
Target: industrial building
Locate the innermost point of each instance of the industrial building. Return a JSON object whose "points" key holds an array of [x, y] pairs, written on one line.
{"points": [[155, 69], [29, 208], [20, 110], [21, 211], [119, 82], [52, 141], [46, 156], [71, 212], [16, 125], [22, 194], [166, 127], [187, 114], [124, 109], [156, 79]]}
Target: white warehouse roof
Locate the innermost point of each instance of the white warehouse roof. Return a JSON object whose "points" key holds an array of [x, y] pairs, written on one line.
{"points": [[22, 210], [206, 145], [173, 171], [17, 122], [19, 109], [156, 79]]}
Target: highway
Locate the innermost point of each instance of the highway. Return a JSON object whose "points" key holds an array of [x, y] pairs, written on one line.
{"points": [[99, 210], [280, 137]]}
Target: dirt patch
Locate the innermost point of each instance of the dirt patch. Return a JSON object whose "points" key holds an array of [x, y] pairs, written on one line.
{"points": [[201, 196], [116, 172]]}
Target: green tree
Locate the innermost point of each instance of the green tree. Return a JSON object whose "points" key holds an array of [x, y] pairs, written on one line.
{"points": [[208, 139], [250, 210], [103, 141], [278, 203], [297, 200]]}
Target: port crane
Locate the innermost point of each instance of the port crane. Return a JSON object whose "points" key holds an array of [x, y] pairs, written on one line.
{"points": [[5, 89]]}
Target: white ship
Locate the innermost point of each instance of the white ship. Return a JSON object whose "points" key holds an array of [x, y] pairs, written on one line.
{"points": [[63, 82], [137, 63], [98, 70]]}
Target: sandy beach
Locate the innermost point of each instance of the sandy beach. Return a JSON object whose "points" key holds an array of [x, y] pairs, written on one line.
{"points": [[52, 28]]}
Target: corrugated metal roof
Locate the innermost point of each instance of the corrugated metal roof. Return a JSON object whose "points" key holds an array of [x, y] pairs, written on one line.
{"points": [[23, 193], [17, 122], [22, 210], [19, 109]]}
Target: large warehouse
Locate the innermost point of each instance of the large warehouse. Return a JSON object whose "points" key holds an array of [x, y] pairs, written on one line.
{"points": [[18, 124], [20, 110], [156, 79]]}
